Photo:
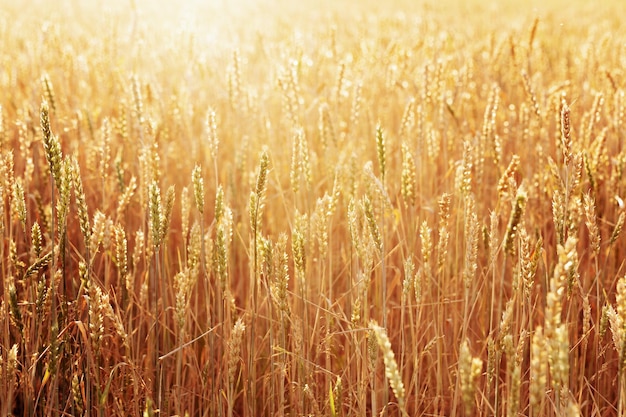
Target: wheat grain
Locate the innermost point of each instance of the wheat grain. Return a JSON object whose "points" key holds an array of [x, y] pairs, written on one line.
{"points": [[617, 230], [368, 209], [234, 346], [516, 216], [508, 177], [170, 196], [408, 120], [408, 176], [155, 212], [470, 369], [18, 206], [212, 137], [36, 239], [49, 92], [391, 367], [591, 222], [444, 234], [51, 145], [538, 370], [198, 188], [471, 229]]}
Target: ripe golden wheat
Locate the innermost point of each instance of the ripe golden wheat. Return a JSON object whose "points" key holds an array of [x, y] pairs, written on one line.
{"points": [[277, 208]]}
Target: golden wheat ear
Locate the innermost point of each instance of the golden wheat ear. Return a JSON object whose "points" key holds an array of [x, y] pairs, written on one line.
{"points": [[391, 366]]}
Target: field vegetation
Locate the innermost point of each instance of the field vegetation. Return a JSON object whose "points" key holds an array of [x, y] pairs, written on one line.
{"points": [[349, 208]]}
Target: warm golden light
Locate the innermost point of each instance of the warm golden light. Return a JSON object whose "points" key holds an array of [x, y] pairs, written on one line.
{"points": [[243, 208]]}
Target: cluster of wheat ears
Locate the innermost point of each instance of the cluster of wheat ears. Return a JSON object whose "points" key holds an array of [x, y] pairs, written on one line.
{"points": [[344, 213]]}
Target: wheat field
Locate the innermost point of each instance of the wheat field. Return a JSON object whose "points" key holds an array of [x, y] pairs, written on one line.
{"points": [[280, 208]]}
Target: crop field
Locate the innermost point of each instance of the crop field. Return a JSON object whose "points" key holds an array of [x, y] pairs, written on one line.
{"points": [[324, 208]]}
